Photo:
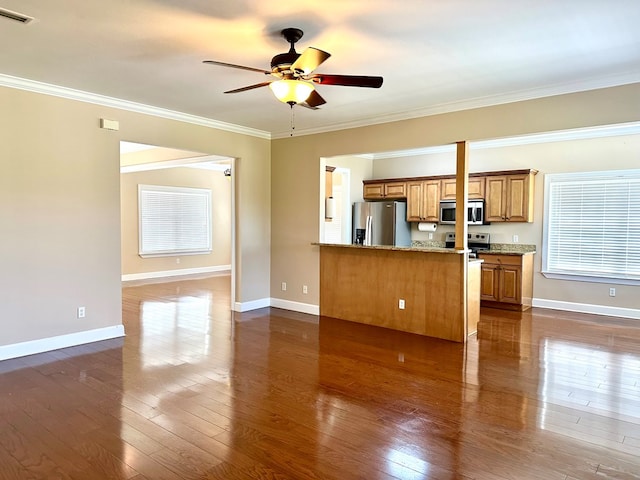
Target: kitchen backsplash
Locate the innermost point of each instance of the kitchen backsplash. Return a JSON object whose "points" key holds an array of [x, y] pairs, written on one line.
{"points": [[427, 244]]}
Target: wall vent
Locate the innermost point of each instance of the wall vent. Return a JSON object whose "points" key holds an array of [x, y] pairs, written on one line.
{"points": [[18, 17]]}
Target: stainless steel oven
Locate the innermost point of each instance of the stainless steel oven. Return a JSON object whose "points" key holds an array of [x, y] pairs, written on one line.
{"points": [[476, 242], [475, 212]]}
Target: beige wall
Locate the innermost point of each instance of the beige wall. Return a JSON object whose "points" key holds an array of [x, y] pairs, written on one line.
{"points": [[60, 209], [295, 172], [215, 181]]}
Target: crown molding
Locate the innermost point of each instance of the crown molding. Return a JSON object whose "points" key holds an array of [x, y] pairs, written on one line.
{"points": [[87, 97], [631, 128], [479, 102]]}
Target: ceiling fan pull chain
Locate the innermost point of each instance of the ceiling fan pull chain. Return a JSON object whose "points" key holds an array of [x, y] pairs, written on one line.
{"points": [[293, 119]]}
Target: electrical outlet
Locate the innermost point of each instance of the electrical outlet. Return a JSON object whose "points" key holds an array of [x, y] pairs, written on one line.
{"points": [[430, 236], [612, 292], [515, 239], [178, 260], [284, 286], [305, 290], [81, 312], [401, 304]]}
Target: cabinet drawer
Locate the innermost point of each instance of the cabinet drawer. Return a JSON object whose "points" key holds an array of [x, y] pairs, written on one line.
{"points": [[501, 259]]}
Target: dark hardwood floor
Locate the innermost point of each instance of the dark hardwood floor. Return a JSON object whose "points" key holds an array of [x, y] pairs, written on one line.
{"points": [[197, 392]]}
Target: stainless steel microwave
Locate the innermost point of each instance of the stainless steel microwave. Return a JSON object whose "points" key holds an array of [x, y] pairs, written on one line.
{"points": [[475, 212]]}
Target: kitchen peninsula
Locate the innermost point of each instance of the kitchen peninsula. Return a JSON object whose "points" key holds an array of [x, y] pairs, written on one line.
{"points": [[417, 290]]}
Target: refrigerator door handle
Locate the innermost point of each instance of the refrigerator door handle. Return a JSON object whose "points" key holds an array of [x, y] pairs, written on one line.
{"points": [[367, 235]]}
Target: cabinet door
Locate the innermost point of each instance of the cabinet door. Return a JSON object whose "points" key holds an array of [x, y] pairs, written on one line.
{"points": [[495, 208], [431, 200], [373, 191], [414, 201], [476, 188], [510, 284], [518, 202], [395, 190], [489, 282], [448, 189]]}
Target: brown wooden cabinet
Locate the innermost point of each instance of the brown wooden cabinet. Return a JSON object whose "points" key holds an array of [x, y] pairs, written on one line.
{"points": [[509, 198], [383, 190], [423, 200], [507, 281], [508, 194], [476, 188]]}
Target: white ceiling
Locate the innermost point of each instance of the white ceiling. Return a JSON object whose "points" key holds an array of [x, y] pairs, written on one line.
{"points": [[435, 55]]}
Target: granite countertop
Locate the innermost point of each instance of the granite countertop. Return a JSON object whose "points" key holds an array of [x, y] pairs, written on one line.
{"points": [[413, 248], [511, 249], [431, 246], [496, 248]]}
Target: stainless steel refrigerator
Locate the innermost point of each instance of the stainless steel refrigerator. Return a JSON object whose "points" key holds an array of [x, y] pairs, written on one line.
{"points": [[381, 223]]}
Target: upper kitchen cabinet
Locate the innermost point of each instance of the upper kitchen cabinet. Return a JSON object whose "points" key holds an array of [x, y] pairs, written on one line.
{"points": [[423, 200], [476, 188], [378, 190], [509, 197]]}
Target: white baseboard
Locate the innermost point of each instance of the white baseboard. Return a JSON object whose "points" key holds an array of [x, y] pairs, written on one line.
{"points": [[175, 273], [295, 306], [587, 308], [62, 341], [252, 305], [278, 303]]}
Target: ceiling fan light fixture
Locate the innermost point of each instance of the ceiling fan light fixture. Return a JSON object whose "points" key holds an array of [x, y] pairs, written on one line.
{"points": [[291, 91]]}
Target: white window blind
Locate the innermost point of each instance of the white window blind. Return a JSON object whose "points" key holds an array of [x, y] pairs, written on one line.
{"points": [[174, 220], [593, 225]]}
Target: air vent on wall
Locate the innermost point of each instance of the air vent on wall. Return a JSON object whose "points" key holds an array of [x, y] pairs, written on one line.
{"points": [[18, 17]]}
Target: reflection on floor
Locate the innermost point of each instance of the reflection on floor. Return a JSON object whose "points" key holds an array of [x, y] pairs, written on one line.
{"points": [[196, 391]]}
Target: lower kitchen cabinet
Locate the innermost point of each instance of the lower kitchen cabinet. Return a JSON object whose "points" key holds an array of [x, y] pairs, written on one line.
{"points": [[507, 281]]}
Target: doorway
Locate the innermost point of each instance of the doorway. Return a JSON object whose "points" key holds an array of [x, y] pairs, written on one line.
{"points": [[142, 164]]}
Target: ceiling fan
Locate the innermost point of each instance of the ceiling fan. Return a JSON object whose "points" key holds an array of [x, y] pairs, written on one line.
{"points": [[294, 73]]}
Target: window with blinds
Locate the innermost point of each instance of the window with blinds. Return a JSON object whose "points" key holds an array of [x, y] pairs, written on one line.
{"points": [[592, 226], [174, 220]]}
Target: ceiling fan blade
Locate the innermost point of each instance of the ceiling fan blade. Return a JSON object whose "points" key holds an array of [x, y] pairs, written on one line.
{"points": [[241, 67], [309, 60], [346, 80], [314, 101], [250, 87]]}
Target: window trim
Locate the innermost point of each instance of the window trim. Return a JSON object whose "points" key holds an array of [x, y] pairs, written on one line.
{"points": [[550, 178]]}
